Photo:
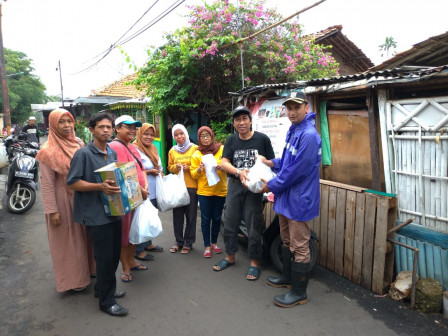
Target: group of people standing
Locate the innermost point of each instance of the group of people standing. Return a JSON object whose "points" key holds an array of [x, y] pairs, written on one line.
{"points": [[85, 243]]}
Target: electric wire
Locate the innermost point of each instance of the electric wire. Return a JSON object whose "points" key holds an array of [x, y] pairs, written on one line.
{"points": [[140, 31]]}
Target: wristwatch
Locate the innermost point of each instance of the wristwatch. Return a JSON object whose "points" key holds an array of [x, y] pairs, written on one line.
{"points": [[237, 174]]}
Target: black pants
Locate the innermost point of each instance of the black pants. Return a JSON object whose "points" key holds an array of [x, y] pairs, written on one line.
{"points": [[106, 242], [241, 203], [190, 211]]}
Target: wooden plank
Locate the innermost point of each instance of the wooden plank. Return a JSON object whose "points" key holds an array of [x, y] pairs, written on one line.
{"points": [[331, 227], [368, 240], [350, 212], [323, 237], [372, 106], [379, 255], [342, 185], [340, 228], [358, 242], [390, 257]]}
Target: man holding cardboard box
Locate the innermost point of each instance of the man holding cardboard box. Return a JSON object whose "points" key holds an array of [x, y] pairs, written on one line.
{"points": [[104, 231]]}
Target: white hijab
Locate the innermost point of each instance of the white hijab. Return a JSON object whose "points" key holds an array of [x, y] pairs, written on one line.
{"points": [[187, 144]]}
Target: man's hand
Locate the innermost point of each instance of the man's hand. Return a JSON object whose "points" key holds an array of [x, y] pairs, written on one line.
{"points": [[267, 162], [55, 219], [108, 187], [145, 193], [243, 177], [265, 187]]}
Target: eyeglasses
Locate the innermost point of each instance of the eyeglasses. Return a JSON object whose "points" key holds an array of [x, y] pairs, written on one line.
{"points": [[205, 136]]}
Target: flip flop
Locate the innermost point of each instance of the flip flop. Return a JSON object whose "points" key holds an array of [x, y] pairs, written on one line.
{"points": [[126, 277], [147, 257], [222, 265], [155, 249], [140, 267], [253, 271]]}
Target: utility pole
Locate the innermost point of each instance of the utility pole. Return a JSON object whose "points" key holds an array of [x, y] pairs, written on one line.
{"points": [[60, 78], [6, 110]]}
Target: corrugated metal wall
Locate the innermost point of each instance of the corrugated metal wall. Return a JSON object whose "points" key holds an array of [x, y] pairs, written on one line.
{"points": [[432, 259]]}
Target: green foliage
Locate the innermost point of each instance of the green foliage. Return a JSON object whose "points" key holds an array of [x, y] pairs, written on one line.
{"points": [[200, 64], [222, 128], [82, 130], [24, 88], [386, 47]]}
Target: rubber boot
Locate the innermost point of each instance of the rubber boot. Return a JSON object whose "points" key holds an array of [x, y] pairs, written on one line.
{"points": [[299, 283], [284, 279]]}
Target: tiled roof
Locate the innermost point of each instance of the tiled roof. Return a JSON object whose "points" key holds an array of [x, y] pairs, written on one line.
{"points": [[119, 88], [350, 53]]}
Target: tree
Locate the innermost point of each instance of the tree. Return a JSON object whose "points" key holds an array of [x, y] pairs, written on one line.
{"points": [[24, 88], [200, 64], [387, 45]]}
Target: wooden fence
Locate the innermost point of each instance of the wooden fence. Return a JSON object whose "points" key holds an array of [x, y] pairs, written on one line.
{"points": [[353, 229]]}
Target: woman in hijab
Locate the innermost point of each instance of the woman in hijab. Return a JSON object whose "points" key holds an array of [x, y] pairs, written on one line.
{"points": [[211, 198], [70, 247], [152, 166], [179, 157]]}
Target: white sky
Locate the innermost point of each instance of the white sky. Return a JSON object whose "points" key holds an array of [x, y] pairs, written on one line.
{"points": [[75, 31]]}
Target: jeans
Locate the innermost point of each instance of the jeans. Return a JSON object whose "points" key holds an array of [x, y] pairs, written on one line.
{"points": [[139, 248], [211, 210]]}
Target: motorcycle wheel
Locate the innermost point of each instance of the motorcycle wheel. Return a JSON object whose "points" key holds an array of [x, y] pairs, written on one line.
{"points": [[276, 254], [22, 202]]}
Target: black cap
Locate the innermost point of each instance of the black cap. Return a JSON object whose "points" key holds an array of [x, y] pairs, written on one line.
{"points": [[298, 97], [240, 110]]}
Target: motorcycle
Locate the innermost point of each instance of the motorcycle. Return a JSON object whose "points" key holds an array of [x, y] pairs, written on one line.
{"points": [[272, 242], [22, 173]]}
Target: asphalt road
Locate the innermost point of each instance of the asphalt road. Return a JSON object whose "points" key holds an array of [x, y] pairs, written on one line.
{"points": [[182, 295]]}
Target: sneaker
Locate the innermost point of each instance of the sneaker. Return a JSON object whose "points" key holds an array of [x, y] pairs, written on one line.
{"points": [[216, 249], [207, 254]]}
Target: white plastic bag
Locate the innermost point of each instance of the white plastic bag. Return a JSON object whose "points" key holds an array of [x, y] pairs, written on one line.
{"points": [[256, 173], [171, 191], [3, 156], [146, 224]]}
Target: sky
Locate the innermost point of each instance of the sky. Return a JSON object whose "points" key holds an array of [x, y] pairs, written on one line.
{"points": [[75, 32]]}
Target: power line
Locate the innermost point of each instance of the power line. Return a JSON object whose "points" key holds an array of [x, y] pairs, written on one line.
{"points": [[143, 29]]}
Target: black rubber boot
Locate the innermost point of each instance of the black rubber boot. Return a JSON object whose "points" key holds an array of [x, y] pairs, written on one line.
{"points": [[299, 283], [284, 279]]}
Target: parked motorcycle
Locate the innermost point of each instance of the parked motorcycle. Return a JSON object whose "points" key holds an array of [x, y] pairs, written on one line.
{"points": [[272, 242], [23, 173]]}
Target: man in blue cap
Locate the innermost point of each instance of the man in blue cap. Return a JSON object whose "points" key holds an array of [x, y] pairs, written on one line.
{"points": [[297, 198]]}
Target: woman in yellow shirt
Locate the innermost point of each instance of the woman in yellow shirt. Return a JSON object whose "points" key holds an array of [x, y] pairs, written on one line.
{"points": [[211, 198], [179, 157]]}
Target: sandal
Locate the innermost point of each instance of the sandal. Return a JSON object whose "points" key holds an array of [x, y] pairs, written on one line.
{"points": [[207, 253], [253, 273], [222, 265], [174, 249], [154, 249], [126, 277], [185, 250], [140, 267]]}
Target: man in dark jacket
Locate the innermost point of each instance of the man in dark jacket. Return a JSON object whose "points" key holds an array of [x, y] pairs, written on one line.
{"points": [[297, 198], [31, 130]]}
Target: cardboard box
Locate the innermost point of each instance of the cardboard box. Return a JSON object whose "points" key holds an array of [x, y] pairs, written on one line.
{"points": [[125, 176]]}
